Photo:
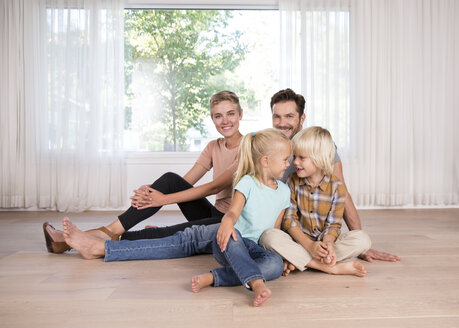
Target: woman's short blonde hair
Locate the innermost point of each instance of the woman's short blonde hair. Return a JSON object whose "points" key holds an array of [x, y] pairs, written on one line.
{"points": [[316, 143]]}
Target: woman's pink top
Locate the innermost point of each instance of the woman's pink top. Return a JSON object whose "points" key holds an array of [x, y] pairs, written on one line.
{"points": [[220, 158]]}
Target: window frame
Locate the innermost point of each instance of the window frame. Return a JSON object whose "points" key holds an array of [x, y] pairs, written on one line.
{"points": [[190, 157]]}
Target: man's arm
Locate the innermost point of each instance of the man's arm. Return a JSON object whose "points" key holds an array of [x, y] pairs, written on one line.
{"points": [[351, 217]]}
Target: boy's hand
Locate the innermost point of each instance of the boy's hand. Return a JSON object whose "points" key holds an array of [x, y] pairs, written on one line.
{"points": [[224, 233], [318, 250], [330, 259]]}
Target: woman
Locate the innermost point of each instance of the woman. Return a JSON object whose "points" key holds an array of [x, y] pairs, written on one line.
{"points": [[220, 154]]}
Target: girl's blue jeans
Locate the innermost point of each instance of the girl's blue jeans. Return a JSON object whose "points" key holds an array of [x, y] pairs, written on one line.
{"points": [[243, 261]]}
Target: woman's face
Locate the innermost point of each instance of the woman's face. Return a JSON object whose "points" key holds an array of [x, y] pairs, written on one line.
{"points": [[226, 117]]}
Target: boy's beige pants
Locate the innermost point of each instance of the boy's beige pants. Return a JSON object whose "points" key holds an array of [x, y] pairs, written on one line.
{"points": [[349, 244]]}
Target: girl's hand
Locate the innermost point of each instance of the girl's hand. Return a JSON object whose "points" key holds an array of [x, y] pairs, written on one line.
{"points": [[224, 233], [318, 250]]}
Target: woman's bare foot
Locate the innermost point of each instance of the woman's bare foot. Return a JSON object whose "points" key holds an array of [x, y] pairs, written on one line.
{"points": [[288, 267], [56, 235], [262, 293], [201, 281], [150, 226], [88, 246]]}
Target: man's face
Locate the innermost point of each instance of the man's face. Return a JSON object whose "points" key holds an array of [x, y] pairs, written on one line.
{"points": [[286, 118]]}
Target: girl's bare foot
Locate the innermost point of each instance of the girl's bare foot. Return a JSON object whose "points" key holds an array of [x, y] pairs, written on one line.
{"points": [[355, 268], [262, 293], [201, 281], [88, 246]]}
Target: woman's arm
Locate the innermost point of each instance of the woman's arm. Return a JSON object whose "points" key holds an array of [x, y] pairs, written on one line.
{"points": [[226, 229], [223, 181]]}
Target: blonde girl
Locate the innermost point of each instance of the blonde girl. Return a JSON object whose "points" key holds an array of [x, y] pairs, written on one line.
{"points": [[259, 201]]}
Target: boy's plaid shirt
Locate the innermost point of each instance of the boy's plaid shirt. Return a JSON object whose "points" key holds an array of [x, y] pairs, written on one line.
{"points": [[317, 211]]}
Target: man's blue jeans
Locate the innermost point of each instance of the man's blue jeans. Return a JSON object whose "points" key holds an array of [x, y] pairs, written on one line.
{"points": [[192, 241], [243, 261]]}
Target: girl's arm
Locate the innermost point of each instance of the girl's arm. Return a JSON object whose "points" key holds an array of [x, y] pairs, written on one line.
{"points": [[278, 223], [226, 229], [223, 181]]}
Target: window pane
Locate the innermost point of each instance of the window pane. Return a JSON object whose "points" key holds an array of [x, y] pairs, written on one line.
{"points": [[176, 59]]}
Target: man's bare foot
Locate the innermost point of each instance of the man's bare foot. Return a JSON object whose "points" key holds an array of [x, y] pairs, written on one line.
{"points": [[355, 268], [88, 246], [288, 267], [201, 281], [56, 235], [262, 293]]}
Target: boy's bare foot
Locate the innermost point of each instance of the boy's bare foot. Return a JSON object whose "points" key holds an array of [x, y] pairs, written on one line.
{"points": [[262, 293], [355, 268], [201, 281], [88, 246], [288, 267]]}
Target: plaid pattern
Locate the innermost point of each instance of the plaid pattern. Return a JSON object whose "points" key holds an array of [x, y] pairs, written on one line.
{"points": [[317, 211]]}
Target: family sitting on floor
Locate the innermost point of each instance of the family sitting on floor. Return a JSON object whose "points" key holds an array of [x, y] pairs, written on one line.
{"points": [[274, 212]]}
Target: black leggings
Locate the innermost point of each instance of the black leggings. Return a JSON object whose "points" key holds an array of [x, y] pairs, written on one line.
{"points": [[197, 212]]}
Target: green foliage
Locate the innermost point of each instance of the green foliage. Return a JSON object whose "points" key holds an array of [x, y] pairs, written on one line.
{"points": [[189, 49]]}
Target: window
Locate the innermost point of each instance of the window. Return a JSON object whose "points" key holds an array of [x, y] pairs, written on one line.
{"points": [[176, 59]]}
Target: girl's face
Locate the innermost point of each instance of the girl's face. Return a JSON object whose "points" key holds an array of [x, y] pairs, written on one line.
{"points": [[226, 117], [304, 166], [278, 162]]}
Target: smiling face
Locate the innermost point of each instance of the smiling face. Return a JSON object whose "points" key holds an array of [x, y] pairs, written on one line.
{"points": [[278, 162], [304, 166], [286, 118], [226, 117]]}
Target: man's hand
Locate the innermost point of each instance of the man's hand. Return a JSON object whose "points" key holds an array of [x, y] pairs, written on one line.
{"points": [[372, 254]]}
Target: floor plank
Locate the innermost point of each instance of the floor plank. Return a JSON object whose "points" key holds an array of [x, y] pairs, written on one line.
{"points": [[40, 289]]}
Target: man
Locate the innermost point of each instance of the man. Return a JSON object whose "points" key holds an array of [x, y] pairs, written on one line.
{"points": [[287, 108]]}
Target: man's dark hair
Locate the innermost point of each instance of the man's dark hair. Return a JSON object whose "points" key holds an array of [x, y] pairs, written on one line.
{"points": [[289, 95]]}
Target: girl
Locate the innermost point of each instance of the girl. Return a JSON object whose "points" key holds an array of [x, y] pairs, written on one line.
{"points": [[220, 154], [259, 201]]}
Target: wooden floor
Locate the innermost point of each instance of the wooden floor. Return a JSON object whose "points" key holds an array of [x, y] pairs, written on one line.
{"points": [[38, 289]]}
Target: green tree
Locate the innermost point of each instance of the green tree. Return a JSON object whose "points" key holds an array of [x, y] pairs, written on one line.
{"points": [[189, 48]]}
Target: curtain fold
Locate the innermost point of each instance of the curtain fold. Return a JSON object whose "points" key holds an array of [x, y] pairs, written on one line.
{"points": [[64, 147], [393, 109]]}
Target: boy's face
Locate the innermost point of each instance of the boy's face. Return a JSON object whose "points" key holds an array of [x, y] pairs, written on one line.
{"points": [[304, 166]]}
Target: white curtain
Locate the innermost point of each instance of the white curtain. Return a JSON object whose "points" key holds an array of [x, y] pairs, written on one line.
{"points": [[62, 104], [397, 140]]}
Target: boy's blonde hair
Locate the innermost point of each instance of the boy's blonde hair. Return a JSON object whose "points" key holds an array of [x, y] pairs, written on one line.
{"points": [[253, 147], [316, 143]]}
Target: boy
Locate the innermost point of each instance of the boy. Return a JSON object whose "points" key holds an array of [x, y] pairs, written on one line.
{"points": [[313, 220]]}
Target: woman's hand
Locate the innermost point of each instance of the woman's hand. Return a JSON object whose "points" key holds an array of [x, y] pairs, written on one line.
{"points": [[148, 197], [225, 232]]}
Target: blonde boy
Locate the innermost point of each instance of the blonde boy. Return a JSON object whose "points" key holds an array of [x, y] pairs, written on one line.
{"points": [[313, 220]]}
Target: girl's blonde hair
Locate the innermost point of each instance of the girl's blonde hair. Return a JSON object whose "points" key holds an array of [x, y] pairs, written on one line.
{"points": [[254, 146], [316, 143]]}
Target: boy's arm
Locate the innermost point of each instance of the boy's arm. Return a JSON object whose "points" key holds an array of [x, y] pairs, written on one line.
{"points": [[332, 225], [329, 240], [226, 229], [317, 249]]}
